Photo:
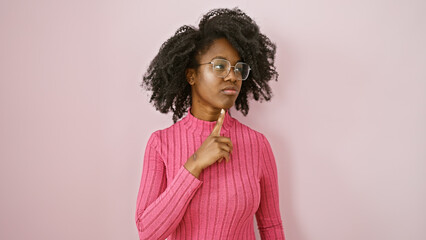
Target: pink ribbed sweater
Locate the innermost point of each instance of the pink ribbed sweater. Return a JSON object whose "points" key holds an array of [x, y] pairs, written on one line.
{"points": [[221, 204]]}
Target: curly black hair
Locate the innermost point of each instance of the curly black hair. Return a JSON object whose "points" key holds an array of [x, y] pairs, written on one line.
{"points": [[166, 76]]}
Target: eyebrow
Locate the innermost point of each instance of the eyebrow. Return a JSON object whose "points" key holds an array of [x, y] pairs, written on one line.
{"points": [[239, 60]]}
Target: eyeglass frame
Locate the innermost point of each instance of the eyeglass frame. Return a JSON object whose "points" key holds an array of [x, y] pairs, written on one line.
{"points": [[229, 70]]}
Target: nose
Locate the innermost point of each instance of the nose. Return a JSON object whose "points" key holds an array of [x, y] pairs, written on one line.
{"points": [[231, 75]]}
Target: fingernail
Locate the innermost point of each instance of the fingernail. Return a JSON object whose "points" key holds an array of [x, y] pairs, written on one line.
{"points": [[222, 111]]}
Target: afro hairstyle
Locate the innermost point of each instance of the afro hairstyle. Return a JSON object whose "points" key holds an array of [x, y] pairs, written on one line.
{"points": [[166, 74]]}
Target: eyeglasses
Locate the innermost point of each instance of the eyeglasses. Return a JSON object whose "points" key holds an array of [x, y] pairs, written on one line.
{"points": [[222, 67]]}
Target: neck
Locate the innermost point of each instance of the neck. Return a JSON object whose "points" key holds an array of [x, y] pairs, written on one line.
{"points": [[210, 114]]}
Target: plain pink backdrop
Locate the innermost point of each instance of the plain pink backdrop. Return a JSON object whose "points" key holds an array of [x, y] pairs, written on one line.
{"points": [[346, 123]]}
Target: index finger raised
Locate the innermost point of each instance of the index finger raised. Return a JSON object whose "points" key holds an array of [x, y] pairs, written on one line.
{"points": [[218, 126]]}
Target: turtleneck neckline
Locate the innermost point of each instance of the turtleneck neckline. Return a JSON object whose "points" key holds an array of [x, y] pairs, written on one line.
{"points": [[204, 127]]}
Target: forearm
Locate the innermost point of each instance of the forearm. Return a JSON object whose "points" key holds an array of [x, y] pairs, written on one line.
{"points": [[160, 218]]}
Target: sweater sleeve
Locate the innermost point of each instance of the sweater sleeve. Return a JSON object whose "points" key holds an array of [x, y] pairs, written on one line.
{"points": [[161, 205], [268, 215]]}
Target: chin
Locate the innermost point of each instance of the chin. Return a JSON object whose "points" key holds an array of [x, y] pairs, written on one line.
{"points": [[226, 106], [225, 103]]}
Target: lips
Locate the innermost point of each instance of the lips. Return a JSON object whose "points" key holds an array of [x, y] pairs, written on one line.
{"points": [[230, 90]]}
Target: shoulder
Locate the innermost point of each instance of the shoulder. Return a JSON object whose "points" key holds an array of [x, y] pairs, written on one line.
{"points": [[244, 128], [251, 133], [162, 134]]}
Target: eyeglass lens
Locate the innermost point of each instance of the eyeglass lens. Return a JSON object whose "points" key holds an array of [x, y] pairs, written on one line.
{"points": [[221, 67]]}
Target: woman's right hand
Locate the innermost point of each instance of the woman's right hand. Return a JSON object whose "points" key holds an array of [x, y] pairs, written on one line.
{"points": [[214, 148]]}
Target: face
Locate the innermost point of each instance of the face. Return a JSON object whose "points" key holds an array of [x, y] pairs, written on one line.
{"points": [[208, 90]]}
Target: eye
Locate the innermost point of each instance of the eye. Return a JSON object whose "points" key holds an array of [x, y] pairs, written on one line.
{"points": [[219, 66], [239, 67]]}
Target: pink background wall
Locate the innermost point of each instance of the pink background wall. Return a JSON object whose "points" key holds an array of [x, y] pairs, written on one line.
{"points": [[346, 124]]}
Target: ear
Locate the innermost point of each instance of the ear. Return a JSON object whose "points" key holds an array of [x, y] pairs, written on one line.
{"points": [[190, 75]]}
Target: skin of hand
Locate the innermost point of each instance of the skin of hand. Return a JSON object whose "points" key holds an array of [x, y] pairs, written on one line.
{"points": [[214, 148]]}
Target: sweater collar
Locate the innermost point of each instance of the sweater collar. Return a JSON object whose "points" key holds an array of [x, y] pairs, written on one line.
{"points": [[203, 127]]}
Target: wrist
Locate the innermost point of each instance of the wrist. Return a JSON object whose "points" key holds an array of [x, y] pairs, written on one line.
{"points": [[193, 167]]}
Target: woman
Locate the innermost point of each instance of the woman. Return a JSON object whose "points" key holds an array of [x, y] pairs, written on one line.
{"points": [[186, 190]]}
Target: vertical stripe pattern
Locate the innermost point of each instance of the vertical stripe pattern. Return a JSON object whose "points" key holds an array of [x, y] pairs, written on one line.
{"points": [[223, 201]]}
